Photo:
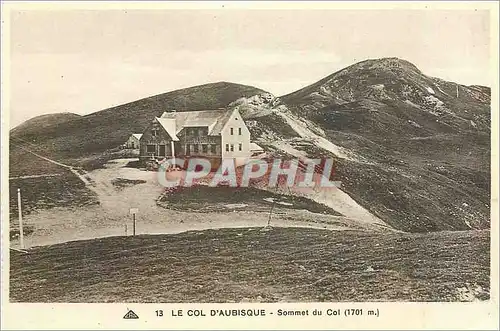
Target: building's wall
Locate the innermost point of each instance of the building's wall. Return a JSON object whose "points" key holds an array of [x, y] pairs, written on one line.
{"points": [[234, 137], [132, 142], [195, 138], [161, 138], [199, 143]]}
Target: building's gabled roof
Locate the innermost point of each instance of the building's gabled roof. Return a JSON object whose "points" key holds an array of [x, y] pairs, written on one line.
{"points": [[169, 125], [137, 135], [221, 121], [214, 120]]}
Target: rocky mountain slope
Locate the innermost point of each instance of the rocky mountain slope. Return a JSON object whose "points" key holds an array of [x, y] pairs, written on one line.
{"points": [[412, 149]]}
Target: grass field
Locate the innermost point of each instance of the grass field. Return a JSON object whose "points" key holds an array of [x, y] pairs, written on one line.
{"points": [[257, 264], [210, 199], [44, 185]]}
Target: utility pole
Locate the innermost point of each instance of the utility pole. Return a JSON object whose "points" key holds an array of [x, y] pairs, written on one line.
{"points": [[21, 233], [134, 222], [133, 211], [271, 212]]}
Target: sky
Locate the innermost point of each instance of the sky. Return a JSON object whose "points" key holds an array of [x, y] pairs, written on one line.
{"points": [[82, 61]]}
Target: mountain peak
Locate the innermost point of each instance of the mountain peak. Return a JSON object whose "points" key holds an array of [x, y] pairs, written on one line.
{"points": [[356, 78], [384, 80], [387, 63]]}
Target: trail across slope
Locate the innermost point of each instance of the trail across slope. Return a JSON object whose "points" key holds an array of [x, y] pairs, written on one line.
{"points": [[110, 217], [71, 168]]}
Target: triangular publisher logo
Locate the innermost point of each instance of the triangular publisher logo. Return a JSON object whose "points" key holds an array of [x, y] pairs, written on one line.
{"points": [[130, 315]]}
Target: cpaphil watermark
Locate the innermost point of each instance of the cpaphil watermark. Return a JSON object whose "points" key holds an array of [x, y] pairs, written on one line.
{"points": [[232, 172]]}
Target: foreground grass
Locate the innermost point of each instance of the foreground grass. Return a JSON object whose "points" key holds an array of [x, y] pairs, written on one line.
{"points": [[255, 264]]}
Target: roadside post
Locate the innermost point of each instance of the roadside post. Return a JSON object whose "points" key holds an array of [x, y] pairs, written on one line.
{"points": [[271, 212], [21, 232], [134, 211]]}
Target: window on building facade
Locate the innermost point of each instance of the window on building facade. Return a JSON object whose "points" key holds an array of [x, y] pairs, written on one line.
{"points": [[204, 148], [227, 147], [196, 148], [232, 131], [188, 149], [239, 131], [154, 132], [240, 146], [213, 148], [232, 148], [151, 149]]}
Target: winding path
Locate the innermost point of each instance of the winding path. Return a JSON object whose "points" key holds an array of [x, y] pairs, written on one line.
{"points": [[111, 217]]}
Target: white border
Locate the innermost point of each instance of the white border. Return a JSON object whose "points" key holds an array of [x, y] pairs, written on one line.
{"points": [[109, 316]]}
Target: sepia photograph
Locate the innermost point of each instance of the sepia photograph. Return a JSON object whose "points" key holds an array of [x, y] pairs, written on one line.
{"points": [[242, 156]]}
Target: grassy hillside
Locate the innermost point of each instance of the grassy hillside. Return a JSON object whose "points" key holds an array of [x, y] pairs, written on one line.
{"points": [[98, 132], [420, 178], [37, 125], [90, 141], [255, 264], [43, 185]]}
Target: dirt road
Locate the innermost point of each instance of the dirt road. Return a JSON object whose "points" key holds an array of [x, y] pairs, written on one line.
{"points": [[112, 218]]}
